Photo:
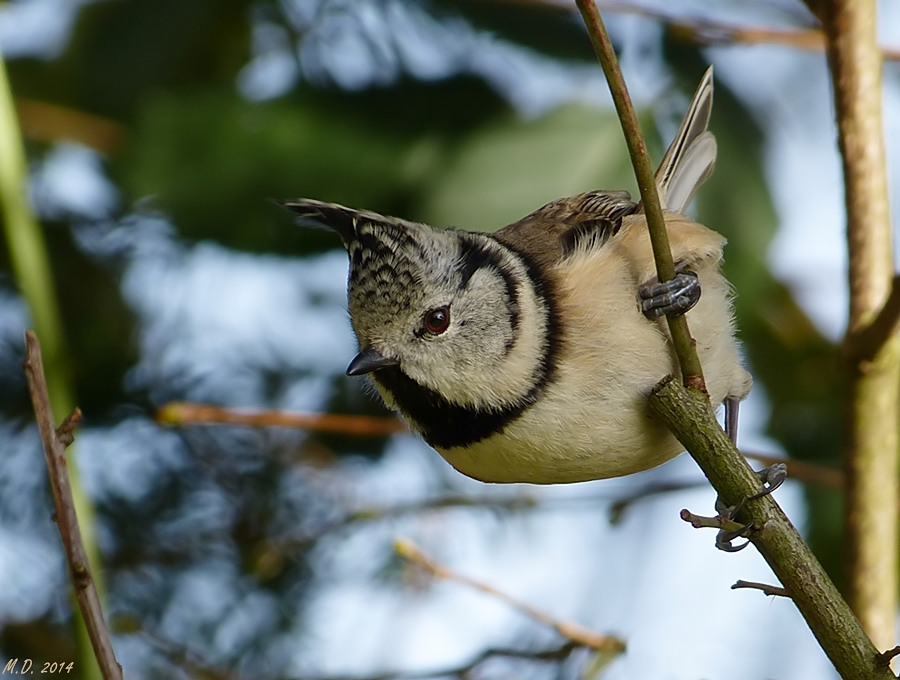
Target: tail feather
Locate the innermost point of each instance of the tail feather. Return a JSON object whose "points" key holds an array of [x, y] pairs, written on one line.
{"points": [[691, 157]]}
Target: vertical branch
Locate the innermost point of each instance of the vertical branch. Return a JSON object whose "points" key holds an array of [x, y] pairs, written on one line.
{"points": [[31, 267], [643, 170], [55, 442], [689, 417], [873, 396]]}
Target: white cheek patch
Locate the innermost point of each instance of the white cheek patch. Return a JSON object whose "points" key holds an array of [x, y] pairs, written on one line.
{"points": [[493, 355]]}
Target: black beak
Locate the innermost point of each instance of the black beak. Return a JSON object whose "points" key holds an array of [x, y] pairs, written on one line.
{"points": [[369, 360]]}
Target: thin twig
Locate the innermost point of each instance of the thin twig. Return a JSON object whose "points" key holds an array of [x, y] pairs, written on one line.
{"points": [[659, 238], [55, 441], [764, 587], [797, 470], [569, 630], [273, 553], [191, 413], [184, 413], [801, 470], [465, 669], [703, 522], [620, 505], [887, 656], [705, 31], [184, 659]]}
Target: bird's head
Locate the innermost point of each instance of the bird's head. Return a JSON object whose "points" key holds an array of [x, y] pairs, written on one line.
{"points": [[451, 312]]}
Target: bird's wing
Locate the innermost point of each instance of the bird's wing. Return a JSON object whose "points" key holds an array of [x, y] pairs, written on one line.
{"points": [[568, 225]]}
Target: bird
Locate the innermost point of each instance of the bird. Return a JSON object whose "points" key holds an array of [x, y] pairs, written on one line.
{"points": [[527, 355]]}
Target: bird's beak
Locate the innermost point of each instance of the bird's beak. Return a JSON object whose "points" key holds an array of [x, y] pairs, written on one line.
{"points": [[369, 360]]}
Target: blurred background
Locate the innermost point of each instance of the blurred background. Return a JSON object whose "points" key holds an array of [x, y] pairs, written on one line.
{"points": [[158, 131]]}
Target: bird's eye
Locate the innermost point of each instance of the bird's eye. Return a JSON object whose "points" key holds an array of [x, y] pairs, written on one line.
{"points": [[437, 320]]}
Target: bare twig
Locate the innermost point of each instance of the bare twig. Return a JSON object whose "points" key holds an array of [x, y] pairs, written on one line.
{"points": [[55, 441], [273, 553], [802, 471], [705, 31], [703, 522], [465, 670], [764, 587], [620, 505], [708, 32], [190, 413], [184, 413], [889, 655], [659, 238], [572, 631], [797, 470], [184, 659]]}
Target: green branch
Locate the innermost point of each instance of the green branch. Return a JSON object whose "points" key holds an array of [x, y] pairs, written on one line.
{"points": [[830, 618], [31, 269]]}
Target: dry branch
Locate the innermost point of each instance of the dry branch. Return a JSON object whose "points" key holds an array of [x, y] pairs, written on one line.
{"points": [[466, 669], [802, 471], [568, 629], [55, 441], [766, 589], [703, 31], [184, 413]]}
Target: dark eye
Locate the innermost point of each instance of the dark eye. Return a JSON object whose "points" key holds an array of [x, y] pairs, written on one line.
{"points": [[437, 320]]}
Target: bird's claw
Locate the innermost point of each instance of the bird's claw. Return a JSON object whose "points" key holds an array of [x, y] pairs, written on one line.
{"points": [[772, 477], [724, 538], [670, 298]]}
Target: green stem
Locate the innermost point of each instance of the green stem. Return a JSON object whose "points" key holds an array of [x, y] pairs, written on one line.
{"points": [[31, 268], [682, 341]]}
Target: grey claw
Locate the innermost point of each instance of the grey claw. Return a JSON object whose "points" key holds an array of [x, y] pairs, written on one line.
{"points": [[672, 298], [772, 477], [724, 539]]}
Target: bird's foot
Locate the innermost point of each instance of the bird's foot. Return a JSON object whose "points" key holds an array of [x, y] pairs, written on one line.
{"points": [[772, 477], [671, 298]]}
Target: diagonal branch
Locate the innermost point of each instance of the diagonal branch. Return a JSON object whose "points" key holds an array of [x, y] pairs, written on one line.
{"points": [[55, 441], [830, 618], [570, 630]]}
